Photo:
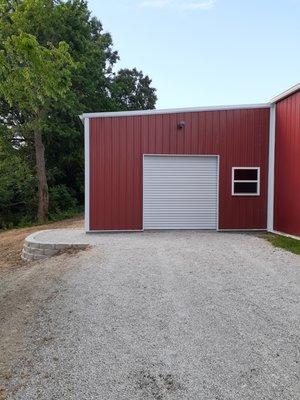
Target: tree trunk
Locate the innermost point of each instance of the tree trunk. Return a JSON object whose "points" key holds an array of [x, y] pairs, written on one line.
{"points": [[42, 214]]}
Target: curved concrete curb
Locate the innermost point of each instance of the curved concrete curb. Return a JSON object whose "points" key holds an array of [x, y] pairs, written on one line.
{"points": [[35, 249]]}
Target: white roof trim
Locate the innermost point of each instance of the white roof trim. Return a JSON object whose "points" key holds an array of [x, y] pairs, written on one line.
{"points": [[286, 93], [171, 111]]}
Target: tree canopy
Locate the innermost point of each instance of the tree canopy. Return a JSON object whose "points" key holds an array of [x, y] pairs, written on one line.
{"points": [[33, 76]]}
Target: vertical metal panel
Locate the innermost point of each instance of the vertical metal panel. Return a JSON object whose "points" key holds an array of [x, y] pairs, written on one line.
{"points": [[180, 192], [117, 145], [287, 166], [87, 174]]}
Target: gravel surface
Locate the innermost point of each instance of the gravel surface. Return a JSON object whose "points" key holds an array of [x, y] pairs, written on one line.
{"points": [[154, 315]]}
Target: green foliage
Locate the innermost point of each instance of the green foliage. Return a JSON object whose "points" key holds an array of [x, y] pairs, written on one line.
{"points": [[61, 198], [17, 190], [284, 242], [55, 56], [132, 91], [32, 76]]}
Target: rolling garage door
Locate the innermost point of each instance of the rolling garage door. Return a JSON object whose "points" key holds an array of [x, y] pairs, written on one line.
{"points": [[180, 192]]}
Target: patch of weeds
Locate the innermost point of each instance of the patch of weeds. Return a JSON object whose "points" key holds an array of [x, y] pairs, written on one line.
{"points": [[73, 250], [156, 386], [3, 393], [284, 242], [7, 374]]}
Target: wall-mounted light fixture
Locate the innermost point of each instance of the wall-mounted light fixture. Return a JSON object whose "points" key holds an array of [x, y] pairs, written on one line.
{"points": [[181, 125]]}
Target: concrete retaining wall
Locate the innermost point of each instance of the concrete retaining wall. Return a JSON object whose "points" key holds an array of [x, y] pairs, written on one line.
{"points": [[33, 249]]}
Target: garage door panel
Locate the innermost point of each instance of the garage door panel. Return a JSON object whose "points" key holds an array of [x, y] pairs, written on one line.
{"points": [[180, 192]]}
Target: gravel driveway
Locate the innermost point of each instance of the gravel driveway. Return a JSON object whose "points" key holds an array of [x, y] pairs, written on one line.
{"points": [[154, 315]]}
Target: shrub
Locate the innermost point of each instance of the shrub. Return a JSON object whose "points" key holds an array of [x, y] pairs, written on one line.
{"points": [[17, 191], [62, 202]]}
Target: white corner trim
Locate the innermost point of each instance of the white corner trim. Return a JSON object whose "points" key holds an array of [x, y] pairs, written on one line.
{"points": [[172, 111], [87, 174], [286, 93], [218, 195], [271, 169]]}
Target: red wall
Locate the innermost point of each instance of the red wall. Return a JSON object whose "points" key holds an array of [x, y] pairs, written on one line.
{"points": [[117, 144], [287, 166]]}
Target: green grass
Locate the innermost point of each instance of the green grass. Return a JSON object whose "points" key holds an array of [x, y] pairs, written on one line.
{"points": [[284, 242]]}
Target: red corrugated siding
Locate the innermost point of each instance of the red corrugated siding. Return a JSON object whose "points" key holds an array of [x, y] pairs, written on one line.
{"points": [[287, 166], [117, 144]]}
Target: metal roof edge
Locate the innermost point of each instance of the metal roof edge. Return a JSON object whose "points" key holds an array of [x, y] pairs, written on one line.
{"points": [[285, 94], [171, 111]]}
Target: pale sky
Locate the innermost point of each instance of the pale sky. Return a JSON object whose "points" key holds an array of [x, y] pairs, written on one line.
{"points": [[207, 52]]}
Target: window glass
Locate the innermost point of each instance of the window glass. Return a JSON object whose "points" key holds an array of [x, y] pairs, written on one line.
{"points": [[245, 187], [245, 174]]}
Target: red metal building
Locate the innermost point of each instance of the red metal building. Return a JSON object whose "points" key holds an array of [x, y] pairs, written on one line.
{"points": [[200, 168], [287, 163]]}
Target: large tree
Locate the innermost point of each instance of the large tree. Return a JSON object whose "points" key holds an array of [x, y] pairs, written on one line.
{"points": [[94, 85], [31, 77]]}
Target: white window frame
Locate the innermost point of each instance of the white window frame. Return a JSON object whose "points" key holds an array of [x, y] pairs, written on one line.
{"points": [[233, 181]]}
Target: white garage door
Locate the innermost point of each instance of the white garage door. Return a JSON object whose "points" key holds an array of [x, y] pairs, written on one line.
{"points": [[180, 192]]}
